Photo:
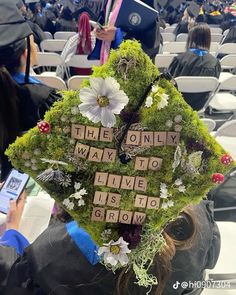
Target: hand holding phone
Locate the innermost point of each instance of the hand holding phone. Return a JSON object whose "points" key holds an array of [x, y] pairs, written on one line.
{"points": [[12, 189], [15, 212], [96, 25]]}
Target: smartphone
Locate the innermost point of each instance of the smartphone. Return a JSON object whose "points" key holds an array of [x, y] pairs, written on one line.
{"points": [[12, 188], [96, 25]]}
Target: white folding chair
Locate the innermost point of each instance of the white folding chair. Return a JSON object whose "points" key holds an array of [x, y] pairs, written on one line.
{"points": [[75, 82], [53, 45], [216, 37], [210, 124], [225, 32], [226, 137], [174, 47], [64, 35], [182, 37], [228, 62], [227, 48], [52, 81], [48, 35], [192, 84], [81, 61], [51, 59], [216, 30], [170, 29], [224, 101], [168, 37], [214, 47], [164, 60]]}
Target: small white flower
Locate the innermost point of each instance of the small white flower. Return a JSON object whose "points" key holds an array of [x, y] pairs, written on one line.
{"points": [[178, 119], [182, 189], [68, 204], [102, 101], [66, 129], [167, 204], [169, 123], [26, 155], [77, 186], [74, 110], [34, 161], [149, 102], [164, 191], [72, 141], [163, 187], [164, 195], [76, 196], [63, 118], [155, 88], [81, 202], [178, 181], [115, 252], [106, 234], [73, 120], [164, 102], [83, 192], [27, 164], [37, 152], [178, 128], [34, 167]]}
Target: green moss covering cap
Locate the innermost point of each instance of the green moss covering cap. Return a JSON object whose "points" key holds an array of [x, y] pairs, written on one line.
{"points": [[123, 158]]}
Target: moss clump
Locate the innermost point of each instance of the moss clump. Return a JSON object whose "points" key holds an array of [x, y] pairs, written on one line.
{"points": [[185, 174]]}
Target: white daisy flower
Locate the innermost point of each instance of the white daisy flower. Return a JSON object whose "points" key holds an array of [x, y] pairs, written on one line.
{"points": [[115, 252], [164, 195], [102, 101], [178, 181], [178, 119], [155, 88], [178, 128], [77, 186], [182, 189], [149, 102], [164, 102], [167, 205]]}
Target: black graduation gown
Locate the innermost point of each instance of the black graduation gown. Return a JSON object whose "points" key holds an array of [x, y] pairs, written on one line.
{"points": [[34, 101], [190, 64], [54, 265]]}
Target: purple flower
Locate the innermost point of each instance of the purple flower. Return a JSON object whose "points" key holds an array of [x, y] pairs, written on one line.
{"points": [[129, 117], [131, 234]]}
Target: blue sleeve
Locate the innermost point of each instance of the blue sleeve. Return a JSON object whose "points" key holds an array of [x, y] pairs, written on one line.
{"points": [[83, 241], [119, 36], [14, 239]]}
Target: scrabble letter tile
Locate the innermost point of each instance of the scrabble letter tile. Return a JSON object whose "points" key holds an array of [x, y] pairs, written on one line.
{"points": [[100, 178], [112, 216], [125, 217], [139, 218], [173, 138], [113, 200], [114, 181], [106, 134], [153, 203], [91, 133], [100, 198], [160, 138], [140, 201], [81, 150], [127, 182], [98, 214], [77, 131], [141, 163], [95, 155], [146, 138], [140, 184], [155, 163], [109, 155], [133, 137]]}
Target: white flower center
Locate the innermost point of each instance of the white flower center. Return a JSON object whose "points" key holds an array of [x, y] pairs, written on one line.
{"points": [[102, 101]]}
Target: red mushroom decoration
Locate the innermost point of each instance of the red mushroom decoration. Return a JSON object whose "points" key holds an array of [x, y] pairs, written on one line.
{"points": [[226, 159], [218, 178], [44, 127]]}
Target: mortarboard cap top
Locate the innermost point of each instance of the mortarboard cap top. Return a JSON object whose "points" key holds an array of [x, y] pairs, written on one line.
{"points": [[193, 9]]}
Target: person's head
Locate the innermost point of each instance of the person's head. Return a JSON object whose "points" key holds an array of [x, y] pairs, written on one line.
{"points": [[84, 31], [66, 14], [13, 58], [199, 37]]}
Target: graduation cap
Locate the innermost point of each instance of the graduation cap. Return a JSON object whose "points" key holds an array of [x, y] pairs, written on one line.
{"points": [[13, 31], [193, 9]]}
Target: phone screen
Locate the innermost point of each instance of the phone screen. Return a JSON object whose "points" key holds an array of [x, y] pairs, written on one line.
{"points": [[12, 188]]}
